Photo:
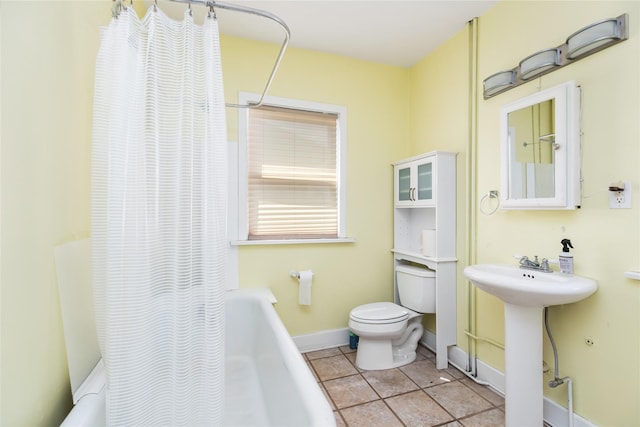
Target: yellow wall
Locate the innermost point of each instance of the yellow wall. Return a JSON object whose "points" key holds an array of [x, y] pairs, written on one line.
{"points": [[47, 87], [610, 114], [439, 95], [350, 274], [48, 55], [606, 375]]}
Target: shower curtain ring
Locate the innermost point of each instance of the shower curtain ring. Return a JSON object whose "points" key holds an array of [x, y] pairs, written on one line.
{"points": [[155, 5], [212, 11], [117, 8], [190, 13]]}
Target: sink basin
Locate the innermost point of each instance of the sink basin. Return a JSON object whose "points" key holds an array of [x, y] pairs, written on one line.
{"points": [[529, 288]]}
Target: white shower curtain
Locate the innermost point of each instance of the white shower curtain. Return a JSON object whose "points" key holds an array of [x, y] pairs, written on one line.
{"points": [[159, 208]]}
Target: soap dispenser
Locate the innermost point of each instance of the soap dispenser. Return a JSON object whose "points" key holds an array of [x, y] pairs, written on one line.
{"points": [[566, 259]]}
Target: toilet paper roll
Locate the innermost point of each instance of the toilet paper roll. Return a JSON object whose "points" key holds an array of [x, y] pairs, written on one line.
{"points": [[305, 278], [429, 242]]}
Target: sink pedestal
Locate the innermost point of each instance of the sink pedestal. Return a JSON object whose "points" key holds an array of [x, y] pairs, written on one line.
{"points": [[525, 293], [523, 366]]}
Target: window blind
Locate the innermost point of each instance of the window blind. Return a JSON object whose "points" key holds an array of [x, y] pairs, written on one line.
{"points": [[292, 174]]}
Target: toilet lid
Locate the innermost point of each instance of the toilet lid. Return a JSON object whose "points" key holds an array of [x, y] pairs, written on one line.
{"points": [[380, 312]]}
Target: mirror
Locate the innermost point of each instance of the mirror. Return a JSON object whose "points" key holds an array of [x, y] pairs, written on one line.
{"points": [[540, 150]]}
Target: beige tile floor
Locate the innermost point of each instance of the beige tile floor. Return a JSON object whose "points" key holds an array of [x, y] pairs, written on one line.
{"points": [[413, 395]]}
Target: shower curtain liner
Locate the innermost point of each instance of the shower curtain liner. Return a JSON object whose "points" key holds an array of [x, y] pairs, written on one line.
{"points": [[159, 204]]}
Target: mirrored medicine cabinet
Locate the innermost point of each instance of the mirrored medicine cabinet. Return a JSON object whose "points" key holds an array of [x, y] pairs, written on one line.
{"points": [[540, 150]]}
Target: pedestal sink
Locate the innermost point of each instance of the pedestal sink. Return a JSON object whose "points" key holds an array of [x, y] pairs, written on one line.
{"points": [[525, 293]]}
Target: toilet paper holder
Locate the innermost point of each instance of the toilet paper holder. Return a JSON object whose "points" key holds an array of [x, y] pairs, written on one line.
{"points": [[296, 274], [304, 279]]}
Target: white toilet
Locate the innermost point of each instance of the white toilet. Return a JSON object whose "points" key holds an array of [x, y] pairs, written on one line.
{"points": [[389, 333]]}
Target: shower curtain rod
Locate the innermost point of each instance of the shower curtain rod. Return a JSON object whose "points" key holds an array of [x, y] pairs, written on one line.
{"points": [[252, 11]]}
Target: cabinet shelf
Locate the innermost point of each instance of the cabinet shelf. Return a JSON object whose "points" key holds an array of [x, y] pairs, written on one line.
{"points": [[419, 258], [425, 199]]}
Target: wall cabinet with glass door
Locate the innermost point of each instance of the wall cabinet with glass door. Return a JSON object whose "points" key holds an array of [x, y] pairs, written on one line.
{"points": [[415, 184]]}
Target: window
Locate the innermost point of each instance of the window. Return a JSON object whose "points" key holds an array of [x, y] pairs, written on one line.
{"points": [[292, 176]]}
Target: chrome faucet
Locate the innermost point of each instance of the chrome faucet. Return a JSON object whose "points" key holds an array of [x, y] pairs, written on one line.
{"points": [[534, 264]]}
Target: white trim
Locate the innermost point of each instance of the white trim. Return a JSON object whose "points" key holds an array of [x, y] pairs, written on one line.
{"points": [[558, 416], [241, 168], [290, 241], [231, 281], [459, 358], [554, 414], [246, 98], [322, 340]]}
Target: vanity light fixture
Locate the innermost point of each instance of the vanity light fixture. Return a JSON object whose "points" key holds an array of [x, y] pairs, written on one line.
{"points": [[584, 42], [539, 63], [597, 36], [499, 82]]}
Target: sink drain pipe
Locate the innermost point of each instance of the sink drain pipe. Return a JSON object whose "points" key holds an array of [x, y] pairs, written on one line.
{"points": [[556, 381]]}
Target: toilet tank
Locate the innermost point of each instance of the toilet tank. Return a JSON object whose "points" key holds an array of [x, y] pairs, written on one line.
{"points": [[417, 288]]}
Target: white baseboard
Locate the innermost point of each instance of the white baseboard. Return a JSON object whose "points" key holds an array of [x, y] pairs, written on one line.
{"points": [[322, 340], [459, 358], [554, 414], [558, 416]]}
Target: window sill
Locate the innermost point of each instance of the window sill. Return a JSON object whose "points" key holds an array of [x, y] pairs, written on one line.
{"points": [[291, 242]]}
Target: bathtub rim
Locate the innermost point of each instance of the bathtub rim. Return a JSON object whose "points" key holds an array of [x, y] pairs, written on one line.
{"points": [[313, 397], [90, 406]]}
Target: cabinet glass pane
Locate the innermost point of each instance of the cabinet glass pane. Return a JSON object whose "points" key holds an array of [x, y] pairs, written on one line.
{"points": [[404, 184], [425, 181]]}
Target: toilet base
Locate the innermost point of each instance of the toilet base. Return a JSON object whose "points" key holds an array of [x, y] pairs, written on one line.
{"points": [[377, 354], [374, 355]]}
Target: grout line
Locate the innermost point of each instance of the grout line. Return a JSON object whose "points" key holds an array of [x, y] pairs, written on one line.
{"points": [[359, 373], [466, 417], [393, 412], [481, 396], [441, 406]]}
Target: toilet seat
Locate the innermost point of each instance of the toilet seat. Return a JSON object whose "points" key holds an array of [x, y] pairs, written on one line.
{"points": [[379, 313]]}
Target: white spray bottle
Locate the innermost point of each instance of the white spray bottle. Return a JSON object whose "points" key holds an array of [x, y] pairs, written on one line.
{"points": [[566, 259]]}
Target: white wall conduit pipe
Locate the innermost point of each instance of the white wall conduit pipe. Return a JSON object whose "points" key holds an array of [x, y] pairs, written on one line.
{"points": [[472, 167], [471, 370], [556, 381]]}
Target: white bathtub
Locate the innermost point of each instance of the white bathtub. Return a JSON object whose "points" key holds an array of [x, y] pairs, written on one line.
{"points": [[267, 381]]}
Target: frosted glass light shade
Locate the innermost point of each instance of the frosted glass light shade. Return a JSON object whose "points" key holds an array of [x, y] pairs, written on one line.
{"points": [[539, 63], [594, 37], [584, 42], [498, 82]]}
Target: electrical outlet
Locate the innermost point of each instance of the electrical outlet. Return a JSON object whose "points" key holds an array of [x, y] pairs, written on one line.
{"points": [[621, 199]]}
